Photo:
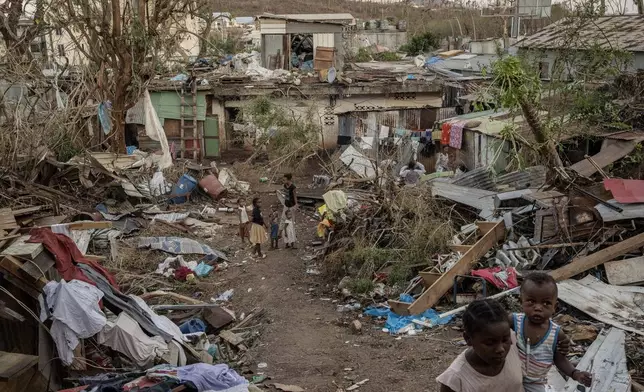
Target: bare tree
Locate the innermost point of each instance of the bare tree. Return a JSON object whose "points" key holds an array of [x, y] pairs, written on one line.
{"points": [[124, 43]]}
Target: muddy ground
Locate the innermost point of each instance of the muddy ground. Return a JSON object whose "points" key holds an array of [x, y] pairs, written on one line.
{"points": [[306, 342]]}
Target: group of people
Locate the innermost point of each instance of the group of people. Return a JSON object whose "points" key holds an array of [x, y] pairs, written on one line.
{"points": [[512, 352], [254, 229]]}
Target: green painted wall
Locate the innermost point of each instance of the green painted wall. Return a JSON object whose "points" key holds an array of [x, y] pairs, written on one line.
{"points": [[168, 105]]}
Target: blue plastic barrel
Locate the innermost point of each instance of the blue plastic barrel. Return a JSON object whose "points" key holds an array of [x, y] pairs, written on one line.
{"points": [[182, 189], [193, 325]]}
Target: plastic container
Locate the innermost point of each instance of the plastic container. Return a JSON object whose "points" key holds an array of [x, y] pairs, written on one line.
{"points": [[182, 189], [192, 326], [211, 185]]}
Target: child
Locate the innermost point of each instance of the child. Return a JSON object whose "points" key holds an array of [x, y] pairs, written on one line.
{"points": [[275, 227], [491, 363], [243, 219], [257, 231], [538, 338], [289, 230]]}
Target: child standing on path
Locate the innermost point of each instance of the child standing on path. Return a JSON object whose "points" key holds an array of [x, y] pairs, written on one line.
{"points": [[244, 222], [538, 338], [491, 363], [275, 228], [289, 230], [257, 231], [290, 197]]}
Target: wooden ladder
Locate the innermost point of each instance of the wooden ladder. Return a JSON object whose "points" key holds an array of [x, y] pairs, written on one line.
{"points": [[189, 122], [436, 285]]}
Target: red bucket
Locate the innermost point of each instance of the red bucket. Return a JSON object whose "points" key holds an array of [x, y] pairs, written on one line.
{"points": [[211, 185]]}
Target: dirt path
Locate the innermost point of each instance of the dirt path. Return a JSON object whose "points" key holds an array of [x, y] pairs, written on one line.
{"points": [[308, 343]]}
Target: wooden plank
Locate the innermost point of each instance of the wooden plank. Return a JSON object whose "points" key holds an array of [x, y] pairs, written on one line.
{"points": [[401, 308], [5, 241], [429, 278], [38, 267], [431, 296], [10, 314], [460, 248], [88, 225], [625, 272], [13, 266], [7, 220], [231, 337], [22, 248], [27, 211], [13, 364], [585, 263]]}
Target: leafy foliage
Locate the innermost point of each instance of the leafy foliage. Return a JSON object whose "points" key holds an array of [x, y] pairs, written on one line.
{"points": [[422, 43]]}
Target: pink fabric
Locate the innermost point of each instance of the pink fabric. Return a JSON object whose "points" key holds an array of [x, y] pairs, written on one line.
{"points": [[497, 276], [456, 136]]}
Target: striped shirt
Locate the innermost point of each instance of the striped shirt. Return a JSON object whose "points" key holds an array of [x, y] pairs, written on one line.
{"points": [[538, 358]]}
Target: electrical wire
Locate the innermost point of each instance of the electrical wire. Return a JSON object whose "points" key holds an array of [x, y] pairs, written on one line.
{"points": [[26, 308]]}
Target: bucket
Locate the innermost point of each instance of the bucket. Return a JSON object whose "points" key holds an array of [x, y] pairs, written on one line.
{"points": [[191, 326], [211, 185], [182, 189]]}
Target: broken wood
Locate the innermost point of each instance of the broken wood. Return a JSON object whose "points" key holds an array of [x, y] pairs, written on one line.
{"points": [[231, 337], [176, 296], [22, 248], [13, 364], [13, 266], [184, 307], [625, 272], [585, 263], [254, 314], [9, 314], [27, 211], [495, 296], [7, 241], [7, 220], [493, 232]]}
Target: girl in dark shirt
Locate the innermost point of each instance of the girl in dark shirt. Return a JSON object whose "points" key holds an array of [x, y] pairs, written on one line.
{"points": [[258, 231]]}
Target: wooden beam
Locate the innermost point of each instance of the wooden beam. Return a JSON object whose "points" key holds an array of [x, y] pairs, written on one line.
{"points": [[14, 267], [22, 248], [429, 277], [485, 227], [27, 211], [430, 297], [401, 308], [585, 263]]}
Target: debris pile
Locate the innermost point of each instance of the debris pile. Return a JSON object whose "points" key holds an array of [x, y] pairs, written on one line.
{"points": [[91, 253], [487, 232]]}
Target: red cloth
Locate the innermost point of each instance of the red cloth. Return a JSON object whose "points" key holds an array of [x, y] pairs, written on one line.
{"points": [[489, 275], [445, 129], [67, 255], [625, 191], [182, 273]]}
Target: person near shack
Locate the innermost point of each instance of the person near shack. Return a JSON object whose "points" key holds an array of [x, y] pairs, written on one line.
{"points": [[258, 229], [442, 160], [289, 231], [412, 172], [290, 197], [244, 222], [275, 227]]}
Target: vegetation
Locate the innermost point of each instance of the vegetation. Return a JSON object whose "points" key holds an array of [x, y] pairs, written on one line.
{"points": [[421, 44]]}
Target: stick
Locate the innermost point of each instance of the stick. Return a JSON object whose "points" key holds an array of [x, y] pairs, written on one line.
{"points": [[184, 307], [495, 296], [176, 296]]}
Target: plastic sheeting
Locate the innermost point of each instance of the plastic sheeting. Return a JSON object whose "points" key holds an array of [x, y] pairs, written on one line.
{"points": [[76, 314], [154, 131], [396, 324], [178, 245]]}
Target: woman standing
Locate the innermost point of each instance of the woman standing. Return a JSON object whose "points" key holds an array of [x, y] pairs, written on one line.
{"points": [[258, 231]]}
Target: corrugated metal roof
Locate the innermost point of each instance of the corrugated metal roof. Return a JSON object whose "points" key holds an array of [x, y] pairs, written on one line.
{"points": [[625, 32], [531, 177], [480, 178], [319, 18]]}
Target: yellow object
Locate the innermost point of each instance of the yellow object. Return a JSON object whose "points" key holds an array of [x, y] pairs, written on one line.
{"points": [[322, 226]]}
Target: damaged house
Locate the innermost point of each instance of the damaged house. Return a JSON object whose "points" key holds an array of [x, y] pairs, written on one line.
{"points": [[305, 41]]}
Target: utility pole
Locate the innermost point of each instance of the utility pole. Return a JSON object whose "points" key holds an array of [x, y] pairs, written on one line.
{"points": [[515, 21]]}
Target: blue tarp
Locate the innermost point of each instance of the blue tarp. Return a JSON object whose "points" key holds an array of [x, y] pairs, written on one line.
{"points": [[396, 322], [432, 60]]}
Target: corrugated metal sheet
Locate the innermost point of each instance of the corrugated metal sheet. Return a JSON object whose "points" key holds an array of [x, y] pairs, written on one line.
{"points": [[531, 177], [445, 113], [480, 178], [272, 27], [324, 40], [623, 32]]}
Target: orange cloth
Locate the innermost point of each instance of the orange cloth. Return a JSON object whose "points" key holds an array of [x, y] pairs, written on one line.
{"points": [[445, 129]]}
